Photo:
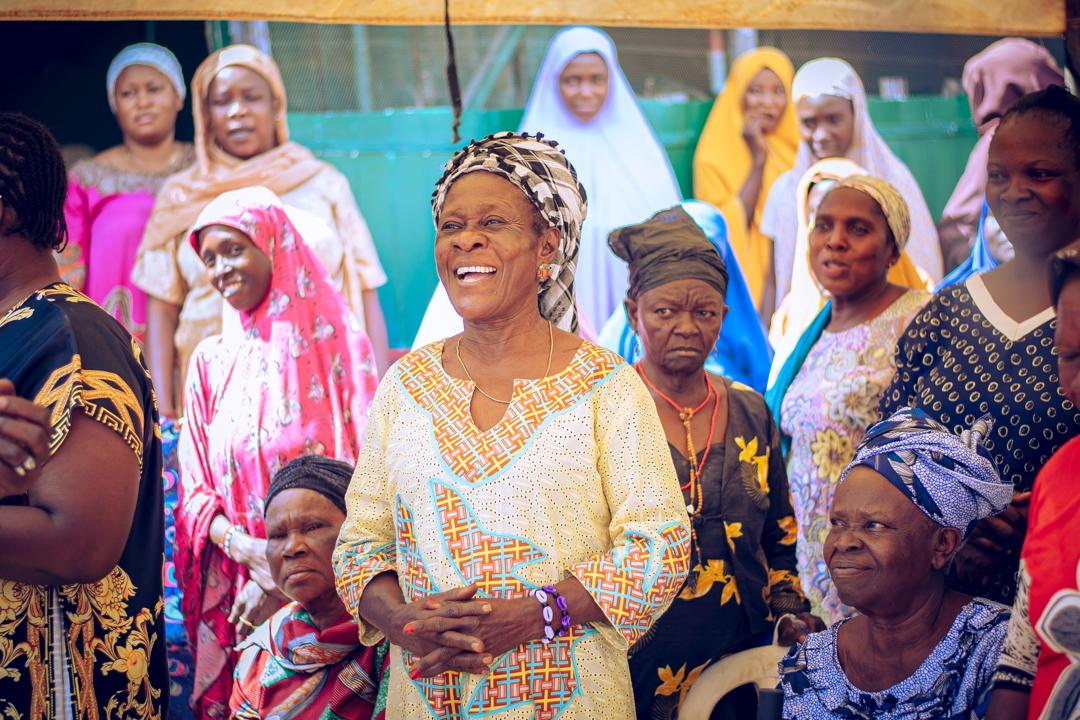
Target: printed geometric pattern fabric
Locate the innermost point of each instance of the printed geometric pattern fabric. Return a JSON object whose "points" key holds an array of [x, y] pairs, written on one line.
{"points": [[474, 455]]}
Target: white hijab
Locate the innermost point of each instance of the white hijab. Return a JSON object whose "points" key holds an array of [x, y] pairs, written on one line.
{"points": [[621, 164], [833, 76], [619, 161]]}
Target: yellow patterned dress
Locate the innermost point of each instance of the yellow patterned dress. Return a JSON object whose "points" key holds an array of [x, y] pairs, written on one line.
{"points": [[575, 481], [94, 650]]}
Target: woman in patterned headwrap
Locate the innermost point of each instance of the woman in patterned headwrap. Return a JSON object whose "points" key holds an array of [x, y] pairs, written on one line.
{"points": [[917, 649], [514, 523], [827, 392]]}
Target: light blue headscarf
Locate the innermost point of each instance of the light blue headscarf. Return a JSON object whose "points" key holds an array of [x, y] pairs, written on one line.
{"points": [[742, 351]]}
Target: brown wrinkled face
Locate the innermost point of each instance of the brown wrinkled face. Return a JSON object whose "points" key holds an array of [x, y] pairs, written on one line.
{"points": [[850, 247], [678, 323], [302, 528]]}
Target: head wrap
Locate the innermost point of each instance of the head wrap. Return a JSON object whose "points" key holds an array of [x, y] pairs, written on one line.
{"points": [[1004, 71], [326, 476], [155, 56], [1062, 264], [668, 246], [949, 477], [549, 181], [888, 198]]}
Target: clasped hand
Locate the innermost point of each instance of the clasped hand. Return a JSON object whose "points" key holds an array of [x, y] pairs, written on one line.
{"points": [[454, 630]]}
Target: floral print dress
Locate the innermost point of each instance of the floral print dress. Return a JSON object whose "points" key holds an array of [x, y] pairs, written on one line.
{"points": [[826, 412]]}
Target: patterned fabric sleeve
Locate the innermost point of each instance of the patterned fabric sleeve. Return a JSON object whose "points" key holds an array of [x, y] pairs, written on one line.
{"points": [[784, 592], [246, 698], [366, 544], [635, 581], [911, 349], [1020, 656]]}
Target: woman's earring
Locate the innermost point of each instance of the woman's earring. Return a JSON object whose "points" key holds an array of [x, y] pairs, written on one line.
{"points": [[544, 273]]}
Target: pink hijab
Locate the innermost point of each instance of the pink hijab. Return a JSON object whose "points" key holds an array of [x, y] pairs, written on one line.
{"points": [[994, 80], [292, 377]]}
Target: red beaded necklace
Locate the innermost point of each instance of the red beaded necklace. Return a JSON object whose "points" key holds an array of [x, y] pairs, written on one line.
{"points": [[686, 415]]}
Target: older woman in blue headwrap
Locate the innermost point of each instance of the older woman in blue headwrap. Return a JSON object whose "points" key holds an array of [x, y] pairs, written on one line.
{"points": [[904, 506]]}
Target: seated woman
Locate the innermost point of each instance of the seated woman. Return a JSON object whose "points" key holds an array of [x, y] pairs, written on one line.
{"points": [[986, 345], [515, 514], [726, 451], [917, 649], [748, 142], [110, 196], [290, 375], [741, 352], [306, 662], [1036, 677], [827, 393], [582, 97], [239, 108], [834, 120]]}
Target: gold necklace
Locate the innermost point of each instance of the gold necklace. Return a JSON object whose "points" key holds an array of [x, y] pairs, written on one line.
{"points": [[457, 352]]}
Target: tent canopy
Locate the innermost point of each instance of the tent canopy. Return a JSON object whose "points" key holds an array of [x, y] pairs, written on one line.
{"points": [[973, 17]]}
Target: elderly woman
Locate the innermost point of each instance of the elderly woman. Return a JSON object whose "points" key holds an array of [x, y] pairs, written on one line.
{"points": [[81, 537], [582, 97], [741, 352], [242, 140], [290, 375], [986, 345], [827, 392], [917, 649], [110, 196], [748, 142], [726, 451], [307, 660], [515, 523], [1035, 678]]}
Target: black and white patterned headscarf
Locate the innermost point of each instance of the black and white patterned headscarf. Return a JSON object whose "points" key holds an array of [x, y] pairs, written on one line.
{"points": [[547, 178]]}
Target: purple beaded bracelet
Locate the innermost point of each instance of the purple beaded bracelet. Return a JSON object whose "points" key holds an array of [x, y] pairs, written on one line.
{"points": [[542, 595]]}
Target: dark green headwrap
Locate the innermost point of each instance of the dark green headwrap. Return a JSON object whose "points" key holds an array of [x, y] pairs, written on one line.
{"points": [[668, 246]]}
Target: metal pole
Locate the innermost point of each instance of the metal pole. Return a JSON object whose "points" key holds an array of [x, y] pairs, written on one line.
{"points": [[362, 68]]}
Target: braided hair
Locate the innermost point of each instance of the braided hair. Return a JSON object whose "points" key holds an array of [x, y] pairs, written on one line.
{"points": [[33, 181], [326, 476], [1056, 104]]}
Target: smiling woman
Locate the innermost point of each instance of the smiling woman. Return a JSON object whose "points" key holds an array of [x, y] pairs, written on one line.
{"points": [[903, 507], [242, 140], [514, 511], [290, 374]]}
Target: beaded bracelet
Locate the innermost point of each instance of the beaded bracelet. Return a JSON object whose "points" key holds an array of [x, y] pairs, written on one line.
{"points": [[542, 595], [226, 541]]}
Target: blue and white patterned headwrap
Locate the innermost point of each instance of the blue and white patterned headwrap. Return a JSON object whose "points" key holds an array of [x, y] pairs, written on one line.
{"points": [[949, 477]]}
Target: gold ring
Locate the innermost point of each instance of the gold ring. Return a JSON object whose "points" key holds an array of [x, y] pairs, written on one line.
{"points": [[29, 464], [20, 471], [247, 623]]}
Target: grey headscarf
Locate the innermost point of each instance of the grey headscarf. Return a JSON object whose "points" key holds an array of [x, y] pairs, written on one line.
{"points": [[541, 171]]}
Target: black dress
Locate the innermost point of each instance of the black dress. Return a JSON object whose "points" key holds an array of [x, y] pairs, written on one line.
{"points": [[94, 650], [746, 576]]}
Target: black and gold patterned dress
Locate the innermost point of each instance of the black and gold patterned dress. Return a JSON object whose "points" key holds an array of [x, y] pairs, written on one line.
{"points": [[96, 650], [745, 577], [962, 357]]}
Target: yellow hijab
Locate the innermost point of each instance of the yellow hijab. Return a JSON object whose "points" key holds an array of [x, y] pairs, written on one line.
{"points": [[722, 161]]}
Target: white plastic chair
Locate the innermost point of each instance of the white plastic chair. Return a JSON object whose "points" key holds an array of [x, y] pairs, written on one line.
{"points": [[755, 666]]}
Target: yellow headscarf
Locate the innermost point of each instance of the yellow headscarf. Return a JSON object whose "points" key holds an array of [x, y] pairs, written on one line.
{"points": [[806, 298], [722, 161]]}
